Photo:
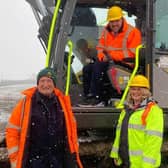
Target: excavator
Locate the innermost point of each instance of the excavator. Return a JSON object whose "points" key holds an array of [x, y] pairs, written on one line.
{"points": [[63, 22]]}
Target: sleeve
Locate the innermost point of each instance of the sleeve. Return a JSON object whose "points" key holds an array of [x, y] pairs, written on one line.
{"points": [[13, 133], [134, 40], [153, 138], [115, 147]]}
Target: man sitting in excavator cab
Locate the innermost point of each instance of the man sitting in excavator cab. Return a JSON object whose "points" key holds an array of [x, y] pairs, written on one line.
{"points": [[117, 43]]}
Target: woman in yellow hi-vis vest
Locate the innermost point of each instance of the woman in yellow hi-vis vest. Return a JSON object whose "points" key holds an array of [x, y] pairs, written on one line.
{"points": [[139, 132]]}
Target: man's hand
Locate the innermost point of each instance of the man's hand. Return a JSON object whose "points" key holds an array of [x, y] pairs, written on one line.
{"points": [[88, 60], [115, 161], [105, 59]]}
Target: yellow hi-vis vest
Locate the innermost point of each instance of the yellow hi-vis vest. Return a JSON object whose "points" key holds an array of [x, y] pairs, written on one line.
{"points": [[144, 138]]}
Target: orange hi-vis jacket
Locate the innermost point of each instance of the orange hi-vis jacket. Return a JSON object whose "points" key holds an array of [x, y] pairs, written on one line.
{"points": [[17, 127], [120, 46]]}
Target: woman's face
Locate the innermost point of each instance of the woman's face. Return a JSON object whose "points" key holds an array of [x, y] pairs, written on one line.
{"points": [[45, 86], [136, 94]]}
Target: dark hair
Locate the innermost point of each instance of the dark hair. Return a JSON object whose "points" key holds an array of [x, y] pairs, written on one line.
{"points": [[81, 43]]}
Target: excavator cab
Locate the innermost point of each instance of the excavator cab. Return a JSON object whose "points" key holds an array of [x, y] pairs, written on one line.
{"points": [[62, 23], [85, 20]]}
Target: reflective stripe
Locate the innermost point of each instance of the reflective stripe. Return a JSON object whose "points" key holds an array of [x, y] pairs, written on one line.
{"points": [[100, 51], [124, 43], [135, 152], [101, 47], [149, 160], [131, 152], [105, 37], [136, 126], [114, 49], [13, 150], [109, 48], [119, 126], [142, 127], [13, 164], [114, 149], [133, 50], [22, 112], [10, 125], [156, 133]]}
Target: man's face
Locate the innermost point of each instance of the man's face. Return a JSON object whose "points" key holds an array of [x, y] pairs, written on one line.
{"points": [[45, 86], [116, 25]]}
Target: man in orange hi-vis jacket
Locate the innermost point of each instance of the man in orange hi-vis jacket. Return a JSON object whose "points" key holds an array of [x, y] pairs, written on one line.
{"points": [[118, 42], [41, 131]]}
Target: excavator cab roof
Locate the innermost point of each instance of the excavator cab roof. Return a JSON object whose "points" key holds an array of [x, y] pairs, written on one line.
{"points": [[132, 6]]}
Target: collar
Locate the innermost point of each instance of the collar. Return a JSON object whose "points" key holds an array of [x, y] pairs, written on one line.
{"points": [[146, 101], [143, 104], [42, 98]]}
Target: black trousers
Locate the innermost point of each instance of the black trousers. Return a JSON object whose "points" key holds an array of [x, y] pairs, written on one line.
{"points": [[99, 68], [66, 160], [87, 76]]}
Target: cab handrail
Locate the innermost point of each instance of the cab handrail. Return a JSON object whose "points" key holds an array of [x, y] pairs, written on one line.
{"points": [[70, 45], [51, 34], [120, 105]]}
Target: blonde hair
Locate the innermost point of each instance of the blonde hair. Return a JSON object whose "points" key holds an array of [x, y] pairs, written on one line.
{"points": [[145, 94]]}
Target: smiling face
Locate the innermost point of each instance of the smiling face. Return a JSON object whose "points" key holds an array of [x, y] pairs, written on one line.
{"points": [[116, 25], [136, 94], [45, 86]]}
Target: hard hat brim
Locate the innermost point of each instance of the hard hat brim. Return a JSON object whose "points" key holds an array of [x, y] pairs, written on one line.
{"points": [[140, 85], [116, 18]]}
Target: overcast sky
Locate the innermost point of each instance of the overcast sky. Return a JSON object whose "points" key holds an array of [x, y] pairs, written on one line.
{"points": [[20, 50]]}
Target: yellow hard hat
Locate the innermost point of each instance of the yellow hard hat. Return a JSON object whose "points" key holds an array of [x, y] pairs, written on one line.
{"points": [[140, 81], [114, 13]]}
